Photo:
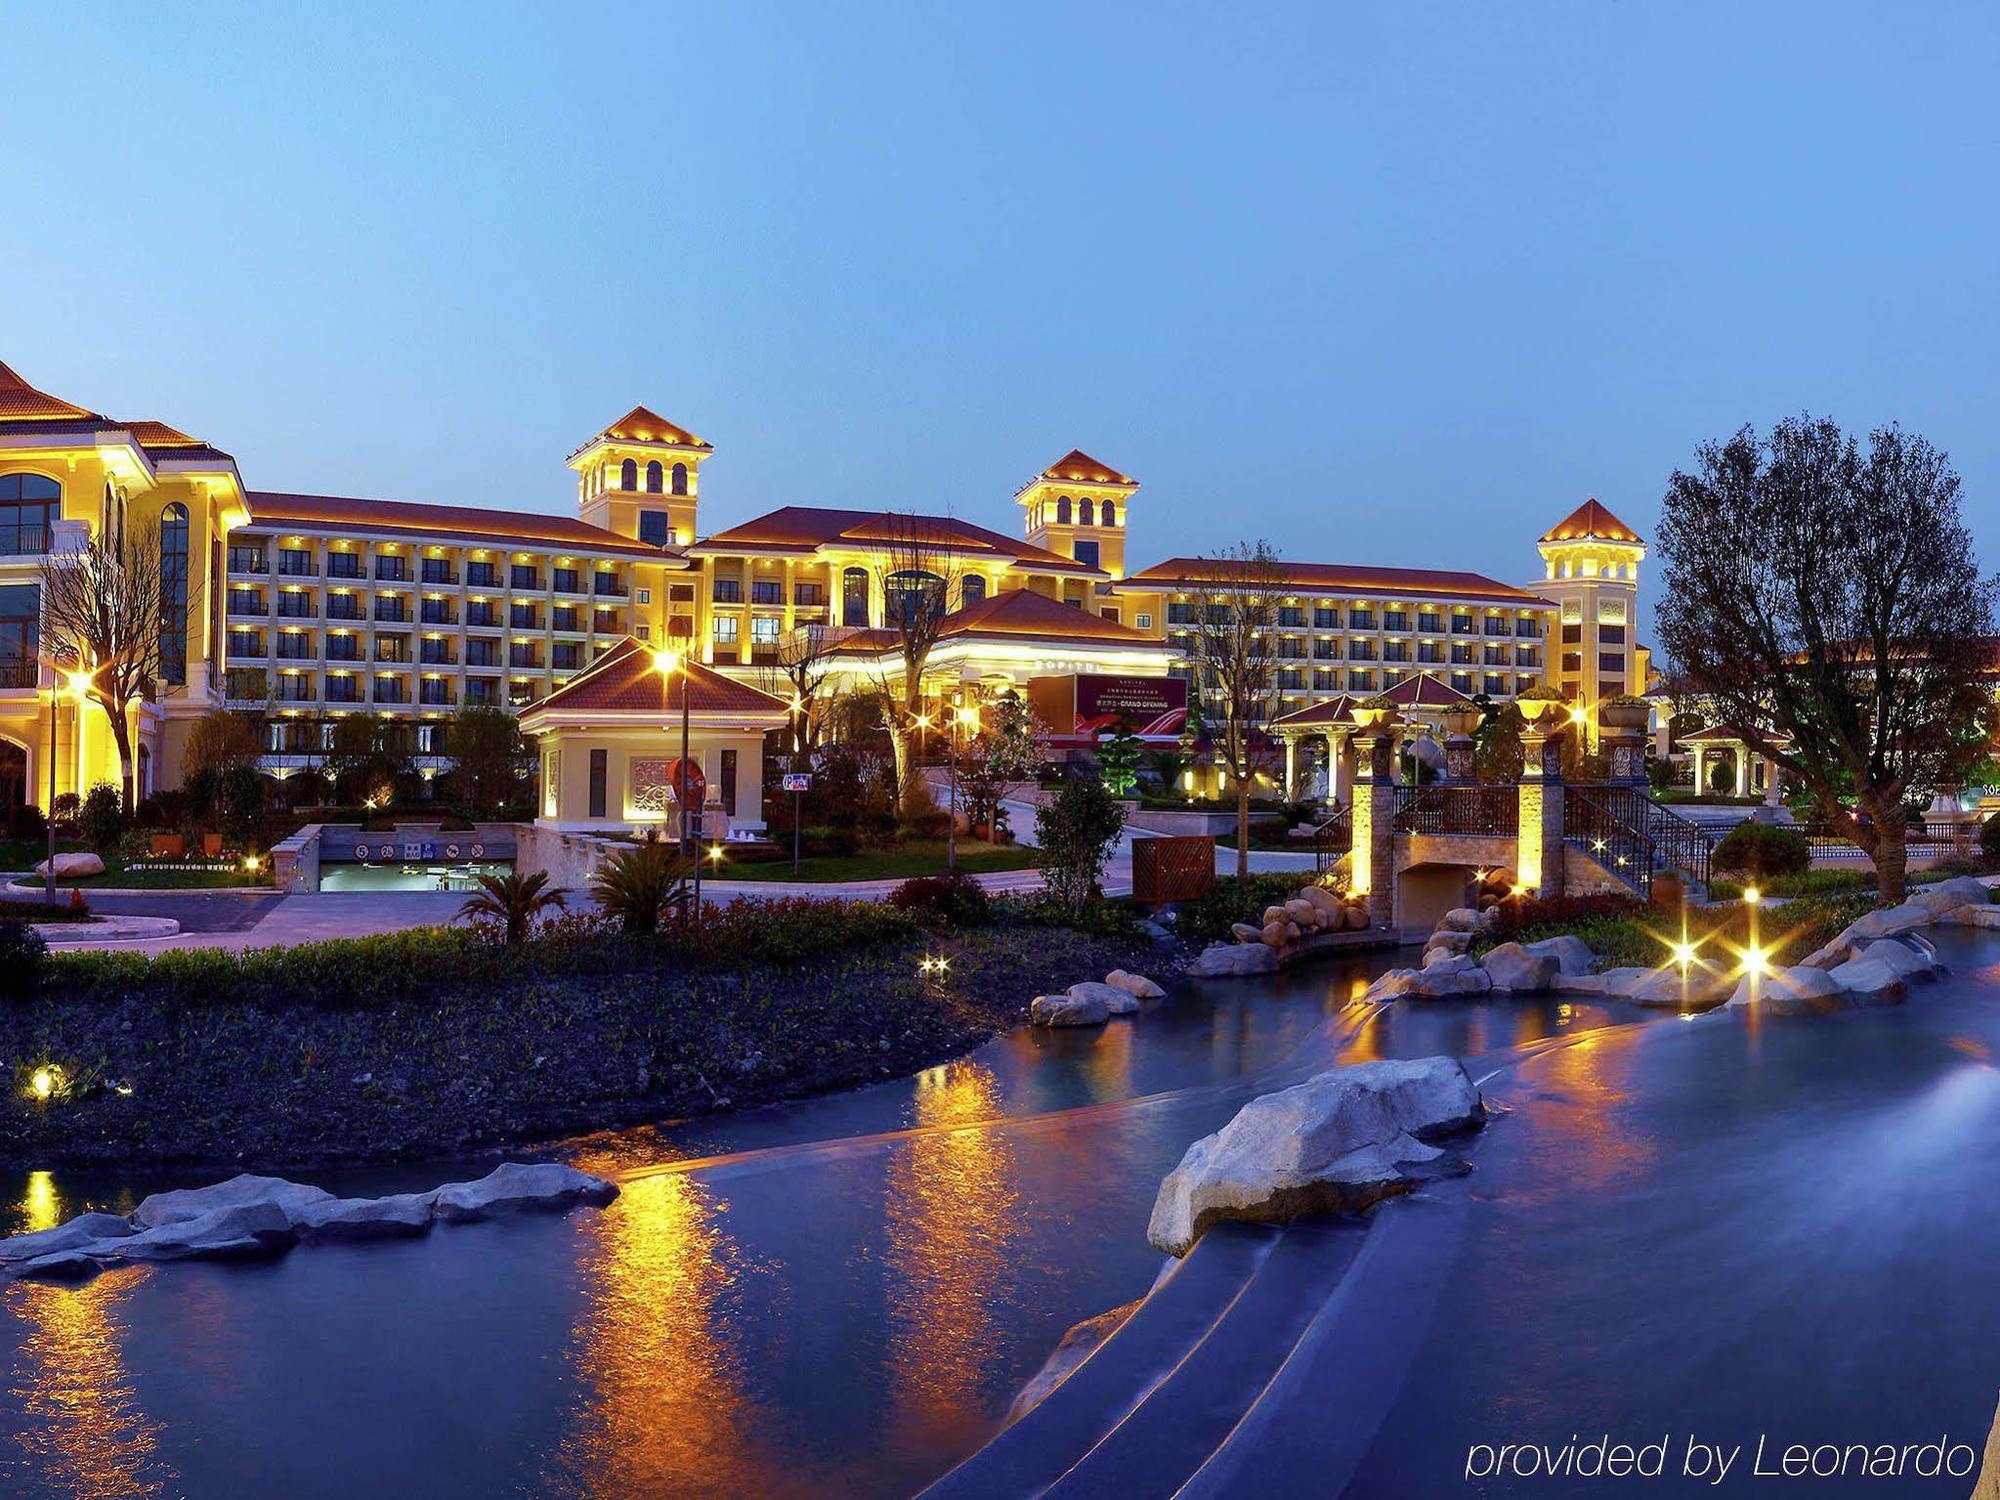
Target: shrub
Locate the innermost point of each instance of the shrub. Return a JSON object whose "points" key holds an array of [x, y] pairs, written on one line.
{"points": [[791, 931], [1989, 838], [514, 900], [1762, 850], [65, 809], [243, 807], [101, 820], [1235, 899], [834, 843], [1074, 832], [26, 824], [16, 909], [638, 887], [24, 956], [955, 899]]}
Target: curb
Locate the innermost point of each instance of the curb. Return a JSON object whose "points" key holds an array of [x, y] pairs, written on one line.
{"points": [[106, 930], [16, 887]]}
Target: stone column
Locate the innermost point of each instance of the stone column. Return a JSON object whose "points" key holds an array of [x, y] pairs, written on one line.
{"points": [[1291, 768], [1742, 770], [1539, 845], [1625, 749], [1374, 859], [1768, 811], [1459, 761], [1700, 771], [1339, 770]]}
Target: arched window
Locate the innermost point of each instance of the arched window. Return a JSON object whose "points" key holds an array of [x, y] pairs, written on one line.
{"points": [[910, 589], [29, 507], [628, 475], [1086, 512], [680, 479], [1110, 515], [854, 597], [971, 589], [173, 593], [654, 477], [1062, 510]]}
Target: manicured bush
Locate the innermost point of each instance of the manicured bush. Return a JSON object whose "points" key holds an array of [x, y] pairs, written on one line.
{"points": [[23, 958], [948, 899], [1208, 918], [1762, 850], [101, 820], [65, 809], [75, 909]]}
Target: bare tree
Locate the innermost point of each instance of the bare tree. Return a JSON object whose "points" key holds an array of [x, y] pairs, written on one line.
{"points": [[1233, 655], [797, 676], [110, 608], [918, 566], [1827, 605]]}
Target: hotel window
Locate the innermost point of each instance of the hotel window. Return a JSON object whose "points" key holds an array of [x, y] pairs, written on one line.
{"points": [[1110, 514], [1086, 512], [1496, 625], [436, 692], [1495, 683], [391, 690], [1395, 619], [392, 568], [1326, 649], [343, 647], [764, 631], [1362, 650], [566, 656], [1085, 552], [294, 645], [252, 685], [435, 653], [1291, 617], [763, 591], [343, 565], [680, 479], [1572, 663], [1461, 654], [605, 582], [971, 589], [1290, 677], [1611, 635], [1431, 620], [810, 594], [1180, 612], [727, 591], [655, 477], [241, 643], [628, 475], [246, 601], [567, 617], [295, 604], [1430, 651], [482, 612], [525, 576], [1361, 681], [1611, 661], [523, 654], [435, 611], [393, 610], [725, 630], [1462, 681], [1530, 627], [1361, 619], [1323, 679], [854, 596], [568, 581], [1292, 647], [600, 773], [29, 506], [1062, 510], [645, 596], [1527, 656], [20, 637], [439, 570], [246, 559], [1461, 624], [1325, 618], [1395, 651], [482, 575], [1572, 634], [395, 648], [342, 607], [483, 691], [1611, 687], [482, 653], [524, 616], [653, 529], [1497, 656], [173, 592]]}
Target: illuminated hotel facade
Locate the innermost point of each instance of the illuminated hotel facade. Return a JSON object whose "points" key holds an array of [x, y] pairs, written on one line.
{"points": [[308, 607]]}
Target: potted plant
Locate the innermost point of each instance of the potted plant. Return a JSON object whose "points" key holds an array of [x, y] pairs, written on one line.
{"points": [[211, 845], [169, 846], [1624, 712]]}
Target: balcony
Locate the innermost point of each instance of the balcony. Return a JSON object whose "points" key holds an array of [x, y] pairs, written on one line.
{"points": [[341, 692], [244, 604], [607, 586], [436, 695], [295, 607], [393, 691], [438, 571], [19, 673], [343, 565], [385, 614], [350, 650], [392, 570], [291, 567], [437, 654], [23, 540]]}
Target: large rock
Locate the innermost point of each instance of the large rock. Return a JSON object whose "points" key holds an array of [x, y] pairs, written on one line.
{"points": [[82, 1230], [1796, 991], [1329, 904], [193, 1203], [1948, 895], [1446, 978], [1903, 957], [234, 1231], [401, 1214], [1572, 954], [77, 1264], [516, 1187], [1865, 929], [1229, 960], [1512, 967], [1869, 981], [1116, 1001], [1464, 919], [1446, 941], [1337, 1142], [1138, 986], [1243, 932], [1974, 916], [1069, 1010], [72, 866]]}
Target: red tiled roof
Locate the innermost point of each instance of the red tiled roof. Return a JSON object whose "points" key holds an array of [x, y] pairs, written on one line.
{"points": [[1080, 467], [1022, 614], [1426, 691], [444, 522], [1334, 711], [1341, 578], [1590, 519], [1722, 734], [805, 528], [640, 425], [20, 401], [626, 680]]}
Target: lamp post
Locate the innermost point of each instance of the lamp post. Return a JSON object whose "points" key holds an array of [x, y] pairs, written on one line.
{"points": [[78, 685], [667, 663]]}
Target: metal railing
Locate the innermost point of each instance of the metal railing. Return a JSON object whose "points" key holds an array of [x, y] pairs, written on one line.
{"points": [[1933, 838], [1635, 838], [1332, 839], [1458, 809]]}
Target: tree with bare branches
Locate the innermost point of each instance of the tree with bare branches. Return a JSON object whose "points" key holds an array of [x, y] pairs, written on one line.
{"points": [[1826, 604], [797, 676], [917, 568], [108, 609], [1232, 657]]}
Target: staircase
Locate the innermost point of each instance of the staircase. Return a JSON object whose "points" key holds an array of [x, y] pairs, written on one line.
{"points": [[1634, 838], [1227, 1378]]}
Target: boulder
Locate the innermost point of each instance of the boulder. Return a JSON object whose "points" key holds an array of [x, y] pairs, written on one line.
{"points": [[1273, 935], [1138, 986], [1512, 967], [1463, 919], [1800, 990], [368, 1218], [1068, 1010], [1869, 981], [81, 1230], [1974, 916], [1357, 918], [232, 1231], [1948, 895], [1572, 954], [1662, 989], [1446, 941], [1226, 960], [77, 1264], [1243, 932], [1302, 912], [193, 1203], [1116, 1001], [1450, 977], [1328, 903], [1902, 957], [72, 866], [517, 1187], [1276, 915], [1337, 1142]]}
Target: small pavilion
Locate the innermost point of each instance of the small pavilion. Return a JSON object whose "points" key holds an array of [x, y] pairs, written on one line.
{"points": [[1725, 740], [1429, 707]]}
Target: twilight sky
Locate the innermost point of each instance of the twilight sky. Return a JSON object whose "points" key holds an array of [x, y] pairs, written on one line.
{"points": [[1386, 283]]}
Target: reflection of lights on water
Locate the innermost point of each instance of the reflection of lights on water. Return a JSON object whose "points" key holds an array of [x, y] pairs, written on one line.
{"points": [[41, 1205]]}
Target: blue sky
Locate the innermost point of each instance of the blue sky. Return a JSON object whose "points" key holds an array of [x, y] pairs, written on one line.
{"points": [[1393, 283]]}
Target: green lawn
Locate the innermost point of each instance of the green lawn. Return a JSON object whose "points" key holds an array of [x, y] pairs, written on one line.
{"points": [[25, 854], [902, 863], [129, 878]]}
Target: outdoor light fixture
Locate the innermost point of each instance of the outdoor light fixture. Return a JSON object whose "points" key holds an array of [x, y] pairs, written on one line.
{"points": [[1750, 895], [45, 1081], [250, 863], [715, 853], [80, 683], [1756, 961]]}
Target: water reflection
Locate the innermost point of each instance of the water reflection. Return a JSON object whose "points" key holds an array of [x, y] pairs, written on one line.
{"points": [[82, 1428], [664, 1406], [952, 1219]]}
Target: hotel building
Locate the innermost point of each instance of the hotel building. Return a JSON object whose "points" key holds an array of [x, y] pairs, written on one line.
{"points": [[308, 607]]}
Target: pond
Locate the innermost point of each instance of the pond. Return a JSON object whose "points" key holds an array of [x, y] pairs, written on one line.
{"points": [[1688, 1225]]}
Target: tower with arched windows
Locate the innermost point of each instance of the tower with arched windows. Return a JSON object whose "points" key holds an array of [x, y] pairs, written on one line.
{"points": [[1591, 562], [1076, 508], [639, 478]]}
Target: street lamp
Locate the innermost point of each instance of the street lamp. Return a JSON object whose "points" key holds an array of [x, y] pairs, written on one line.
{"points": [[78, 686], [666, 663]]}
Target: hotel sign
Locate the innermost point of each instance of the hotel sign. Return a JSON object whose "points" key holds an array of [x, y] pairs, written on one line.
{"points": [[1081, 705]]}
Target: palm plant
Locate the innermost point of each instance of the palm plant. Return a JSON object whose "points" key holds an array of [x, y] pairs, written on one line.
{"points": [[641, 885], [514, 900]]}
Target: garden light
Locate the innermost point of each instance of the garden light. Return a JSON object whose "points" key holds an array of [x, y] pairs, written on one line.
{"points": [[1756, 960], [1750, 895], [80, 683], [251, 862], [666, 662], [715, 854], [45, 1081]]}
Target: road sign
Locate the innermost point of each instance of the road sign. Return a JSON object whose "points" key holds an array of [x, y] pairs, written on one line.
{"points": [[797, 781]]}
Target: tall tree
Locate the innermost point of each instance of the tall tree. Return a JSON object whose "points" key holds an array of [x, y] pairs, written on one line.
{"points": [[107, 608], [919, 562], [491, 762], [1233, 656], [797, 677], [1826, 603]]}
